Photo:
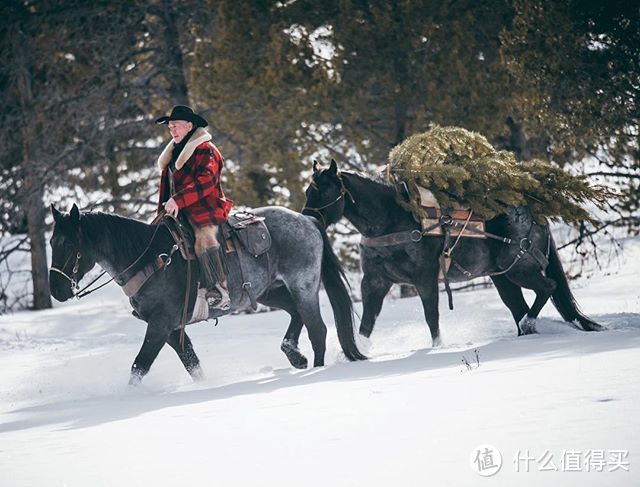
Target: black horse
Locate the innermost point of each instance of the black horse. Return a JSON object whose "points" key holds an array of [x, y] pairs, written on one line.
{"points": [[372, 208], [299, 259]]}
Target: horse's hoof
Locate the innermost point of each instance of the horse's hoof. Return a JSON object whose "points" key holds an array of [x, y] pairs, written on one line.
{"points": [[365, 332], [136, 376], [196, 374], [436, 342], [296, 359], [588, 325], [527, 325]]}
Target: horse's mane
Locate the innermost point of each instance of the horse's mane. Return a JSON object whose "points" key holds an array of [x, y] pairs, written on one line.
{"points": [[379, 204], [130, 236], [377, 179]]}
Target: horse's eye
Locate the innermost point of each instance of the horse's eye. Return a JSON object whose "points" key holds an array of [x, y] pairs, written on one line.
{"points": [[66, 245]]}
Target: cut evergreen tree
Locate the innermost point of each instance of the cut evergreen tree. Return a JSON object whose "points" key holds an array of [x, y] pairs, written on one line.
{"points": [[462, 168]]}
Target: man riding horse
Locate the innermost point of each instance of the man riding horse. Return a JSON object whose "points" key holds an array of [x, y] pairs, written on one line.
{"points": [[191, 166]]}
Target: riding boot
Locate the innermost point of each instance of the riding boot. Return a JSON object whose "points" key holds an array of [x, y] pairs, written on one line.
{"points": [[212, 270]]}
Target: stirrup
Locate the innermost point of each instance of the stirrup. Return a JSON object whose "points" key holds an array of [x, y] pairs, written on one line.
{"points": [[218, 298]]}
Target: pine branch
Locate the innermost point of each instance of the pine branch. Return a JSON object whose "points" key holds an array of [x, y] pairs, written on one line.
{"points": [[119, 201], [614, 174]]}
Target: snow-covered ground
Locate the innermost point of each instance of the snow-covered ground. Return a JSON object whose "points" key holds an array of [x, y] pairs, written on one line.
{"points": [[562, 404]]}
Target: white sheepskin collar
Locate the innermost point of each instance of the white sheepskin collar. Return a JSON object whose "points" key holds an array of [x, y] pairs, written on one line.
{"points": [[198, 137]]}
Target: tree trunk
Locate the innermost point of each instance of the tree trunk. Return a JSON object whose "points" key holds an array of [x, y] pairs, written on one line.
{"points": [[32, 192], [34, 209], [401, 86], [36, 228], [518, 140], [175, 62]]}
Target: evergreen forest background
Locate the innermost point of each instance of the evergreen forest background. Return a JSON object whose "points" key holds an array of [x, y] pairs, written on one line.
{"points": [[286, 82]]}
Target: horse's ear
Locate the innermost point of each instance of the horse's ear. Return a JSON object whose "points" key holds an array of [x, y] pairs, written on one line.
{"points": [[57, 216], [315, 166], [75, 214], [333, 168]]}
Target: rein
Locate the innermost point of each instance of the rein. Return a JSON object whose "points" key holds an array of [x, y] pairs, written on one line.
{"points": [[77, 292]]}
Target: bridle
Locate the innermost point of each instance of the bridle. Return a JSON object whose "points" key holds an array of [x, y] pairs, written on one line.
{"points": [[343, 191], [75, 287], [74, 271], [80, 293]]}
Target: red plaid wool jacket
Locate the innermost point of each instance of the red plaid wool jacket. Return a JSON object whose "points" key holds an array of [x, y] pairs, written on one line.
{"points": [[197, 181]]}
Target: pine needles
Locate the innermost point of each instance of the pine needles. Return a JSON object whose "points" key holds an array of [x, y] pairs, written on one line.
{"points": [[462, 168]]}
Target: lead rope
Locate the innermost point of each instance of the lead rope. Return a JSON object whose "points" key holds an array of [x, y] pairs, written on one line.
{"points": [[187, 293]]}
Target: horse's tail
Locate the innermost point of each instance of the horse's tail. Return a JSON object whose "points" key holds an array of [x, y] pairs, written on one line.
{"points": [[562, 297], [335, 283]]}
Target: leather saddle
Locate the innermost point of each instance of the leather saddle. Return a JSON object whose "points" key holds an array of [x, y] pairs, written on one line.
{"points": [[243, 231], [465, 221], [182, 234]]}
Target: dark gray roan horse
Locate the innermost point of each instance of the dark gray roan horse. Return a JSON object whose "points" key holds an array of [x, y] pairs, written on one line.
{"points": [[299, 259], [371, 207]]}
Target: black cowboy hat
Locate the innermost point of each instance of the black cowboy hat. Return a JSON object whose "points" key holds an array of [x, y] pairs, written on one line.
{"points": [[181, 112]]}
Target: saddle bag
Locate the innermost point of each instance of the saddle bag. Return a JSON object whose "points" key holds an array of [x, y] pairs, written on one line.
{"points": [[245, 232], [251, 232]]}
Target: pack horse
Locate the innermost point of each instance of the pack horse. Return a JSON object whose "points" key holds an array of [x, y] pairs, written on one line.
{"points": [[394, 249], [288, 277]]}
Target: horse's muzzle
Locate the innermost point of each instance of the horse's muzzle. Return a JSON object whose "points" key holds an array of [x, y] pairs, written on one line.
{"points": [[60, 287]]}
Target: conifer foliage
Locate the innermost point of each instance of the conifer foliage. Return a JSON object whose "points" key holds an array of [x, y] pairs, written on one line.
{"points": [[462, 167]]}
